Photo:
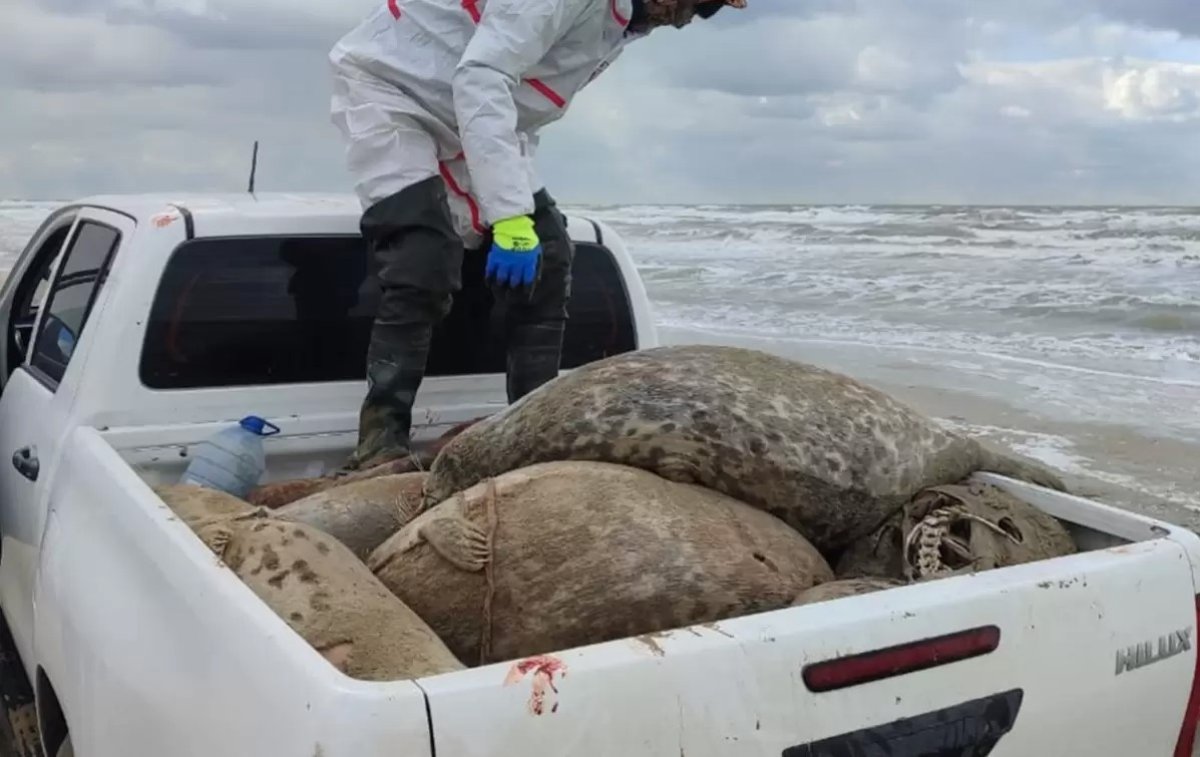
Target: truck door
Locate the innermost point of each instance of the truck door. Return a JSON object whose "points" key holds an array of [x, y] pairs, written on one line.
{"points": [[45, 313]]}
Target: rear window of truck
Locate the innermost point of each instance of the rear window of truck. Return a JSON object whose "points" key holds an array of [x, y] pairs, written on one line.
{"points": [[279, 310]]}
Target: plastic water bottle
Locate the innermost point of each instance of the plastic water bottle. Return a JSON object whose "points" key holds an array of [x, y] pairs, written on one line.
{"points": [[233, 459]]}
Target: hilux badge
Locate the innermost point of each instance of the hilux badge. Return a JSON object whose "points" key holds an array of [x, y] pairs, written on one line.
{"points": [[1141, 655]]}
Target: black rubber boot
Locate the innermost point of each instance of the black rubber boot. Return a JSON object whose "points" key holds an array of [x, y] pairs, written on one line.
{"points": [[535, 326], [417, 257]]}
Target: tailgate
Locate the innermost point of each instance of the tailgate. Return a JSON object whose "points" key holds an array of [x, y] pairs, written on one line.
{"points": [[1045, 680]]}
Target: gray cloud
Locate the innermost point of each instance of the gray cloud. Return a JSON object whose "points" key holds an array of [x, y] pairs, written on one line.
{"points": [[830, 100], [222, 24], [1179, 15], [820, 55]]}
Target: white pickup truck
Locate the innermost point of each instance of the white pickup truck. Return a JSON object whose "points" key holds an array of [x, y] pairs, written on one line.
{"points": [[134, 327]]}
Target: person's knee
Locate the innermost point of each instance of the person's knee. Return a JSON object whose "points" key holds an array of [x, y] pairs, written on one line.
{"points": [[415, 246], [412, 306]]}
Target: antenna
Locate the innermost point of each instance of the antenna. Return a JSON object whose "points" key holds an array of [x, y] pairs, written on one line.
{"points": [[253, 167]]}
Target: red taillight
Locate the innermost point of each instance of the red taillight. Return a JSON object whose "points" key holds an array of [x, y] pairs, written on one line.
{"points": [[898, 660], [1191, 716]]}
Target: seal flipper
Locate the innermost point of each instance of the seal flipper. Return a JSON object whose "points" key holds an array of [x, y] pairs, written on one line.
{"points": [[216, 535], [218, 531], [409, 508], [338, 653], [459, 541]]}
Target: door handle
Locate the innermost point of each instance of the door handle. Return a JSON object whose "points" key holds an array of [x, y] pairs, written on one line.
{"points": [[25, 460]]}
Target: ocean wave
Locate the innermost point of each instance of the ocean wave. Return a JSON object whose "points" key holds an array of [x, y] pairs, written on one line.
{"points": [[1146, 354], [1031, 287], [38, 205], [1143, 234], [913, 231], [1188, 323]]}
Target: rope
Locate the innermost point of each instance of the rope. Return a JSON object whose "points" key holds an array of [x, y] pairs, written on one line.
{"points": [[485, 642], [932, 533]]}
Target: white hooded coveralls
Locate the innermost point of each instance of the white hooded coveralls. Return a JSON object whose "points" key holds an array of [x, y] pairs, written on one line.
{"points": [[459, 88]]}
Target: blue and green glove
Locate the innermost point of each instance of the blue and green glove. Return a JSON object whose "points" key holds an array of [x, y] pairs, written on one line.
{"points": [[515, 254]]}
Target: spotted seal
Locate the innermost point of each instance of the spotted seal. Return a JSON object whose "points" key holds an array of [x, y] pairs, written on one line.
{"points": [[277, 494], [955, 529], [317, 586], [825, 453], [196, 504], [563, 554], [363, 514], [328, 597]]}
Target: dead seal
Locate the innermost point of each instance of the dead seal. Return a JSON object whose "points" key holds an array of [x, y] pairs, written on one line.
{"points": [[195, 505], [972, 527], [829, 455], [276, 494], [316, 585], [361, 515], [565, 554], [877, 554], [329, 598], [955, 529]]}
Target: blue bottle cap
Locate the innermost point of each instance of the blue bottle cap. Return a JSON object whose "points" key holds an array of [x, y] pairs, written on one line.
{"points": [[256, 425]]}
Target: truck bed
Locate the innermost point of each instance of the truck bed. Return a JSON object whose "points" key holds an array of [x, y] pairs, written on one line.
{"points": [[314, 445], [1025, 658]]}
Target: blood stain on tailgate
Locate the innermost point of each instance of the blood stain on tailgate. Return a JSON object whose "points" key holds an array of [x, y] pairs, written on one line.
{"points": [[544, 668]]}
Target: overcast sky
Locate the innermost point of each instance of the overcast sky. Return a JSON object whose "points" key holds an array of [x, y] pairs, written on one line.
{"points": [[1038, 101]]}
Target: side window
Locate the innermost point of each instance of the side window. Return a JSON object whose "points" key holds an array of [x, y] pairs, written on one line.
{"points": [[273, 310], [29, 295], [72, 293]]}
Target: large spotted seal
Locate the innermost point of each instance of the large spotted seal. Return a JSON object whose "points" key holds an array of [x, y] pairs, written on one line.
{"points": [[276, 494], [953, 529], [827, 454], [328, 597], [317, 586], [363, 514], [563, 554]]}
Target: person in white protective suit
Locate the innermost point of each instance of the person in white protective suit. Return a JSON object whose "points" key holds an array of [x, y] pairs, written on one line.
{"points": [[439, 103]]}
